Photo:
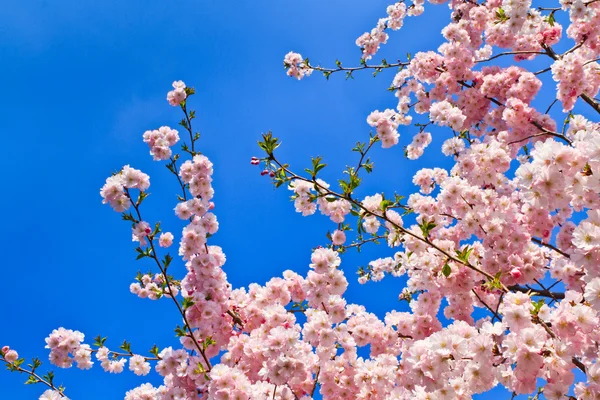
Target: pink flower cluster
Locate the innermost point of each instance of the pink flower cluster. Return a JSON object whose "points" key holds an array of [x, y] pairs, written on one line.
{"points": [[197, 174], [575, 76], [9, 354], [444, 113], [140, 231], [109, 364], [178, 94], [52, 395], [420, 141], [386, 123], [114, 190], [152, 287], [296, 66], [369, 42], [67, 346], [484, 236], [305, 202], [160, 141]]}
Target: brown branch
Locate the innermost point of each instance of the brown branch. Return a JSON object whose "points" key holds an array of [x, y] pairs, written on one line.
{"points": [[508, 53], [32, 373], [385, 218], [168, 284], [487, 306], [588, 99], [548, 245], [312, 392], [352, 69], [536, 292]]}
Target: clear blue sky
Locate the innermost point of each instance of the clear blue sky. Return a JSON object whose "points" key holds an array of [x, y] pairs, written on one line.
{"points": [[83, 80]]}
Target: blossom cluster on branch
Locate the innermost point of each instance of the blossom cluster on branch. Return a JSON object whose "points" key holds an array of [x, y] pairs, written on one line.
{"points": [[512, 229]]}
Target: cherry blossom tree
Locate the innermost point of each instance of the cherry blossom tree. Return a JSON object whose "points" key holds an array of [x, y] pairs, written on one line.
{"points": [[512, 229]]}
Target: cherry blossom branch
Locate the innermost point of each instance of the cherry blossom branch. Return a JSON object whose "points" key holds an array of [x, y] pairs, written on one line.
{"points": [[496, 315], [591, 61], [349, 70], [168, 283], [188, 126], [541, 71], [545, 133], [579, 364], [312, 392], [508, 53], [35, 378], [130, 354], [385, 218], [537, 292], [550, 246], [172, 166], [498, 103], [588, 99], [362, 242]]}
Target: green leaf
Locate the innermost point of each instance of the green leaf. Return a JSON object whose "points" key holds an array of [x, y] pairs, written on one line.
{"points": [[269, 143], [156, 229], [385, 204], [31, 380], [550, 18], [501, 16], [316, 167], [446, 270], [537, 305], [187, 303], [464, 254], [179, 332], [99, 341], [49, 377], [167, 260], [426, 228], [126, 346], [207, 342], [35, 363], [359, 148]]}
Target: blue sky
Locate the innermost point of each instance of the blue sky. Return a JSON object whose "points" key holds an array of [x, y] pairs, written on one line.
{"points": [[84, 80]]}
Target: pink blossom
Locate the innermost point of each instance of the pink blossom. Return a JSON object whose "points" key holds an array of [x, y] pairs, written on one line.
{"points": [[338, 237], [165, 239], [178, 94]]}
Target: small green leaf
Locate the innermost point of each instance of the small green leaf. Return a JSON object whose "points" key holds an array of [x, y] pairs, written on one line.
{"points": [[167, 260], [99, 341], [426, 228], [446, 270], [187, 303], [126, 346]]}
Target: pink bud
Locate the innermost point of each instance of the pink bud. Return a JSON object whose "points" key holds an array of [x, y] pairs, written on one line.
{"points": [[516, 273], [5, 349], [265, 172], [338, 237], [11, 356]]}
